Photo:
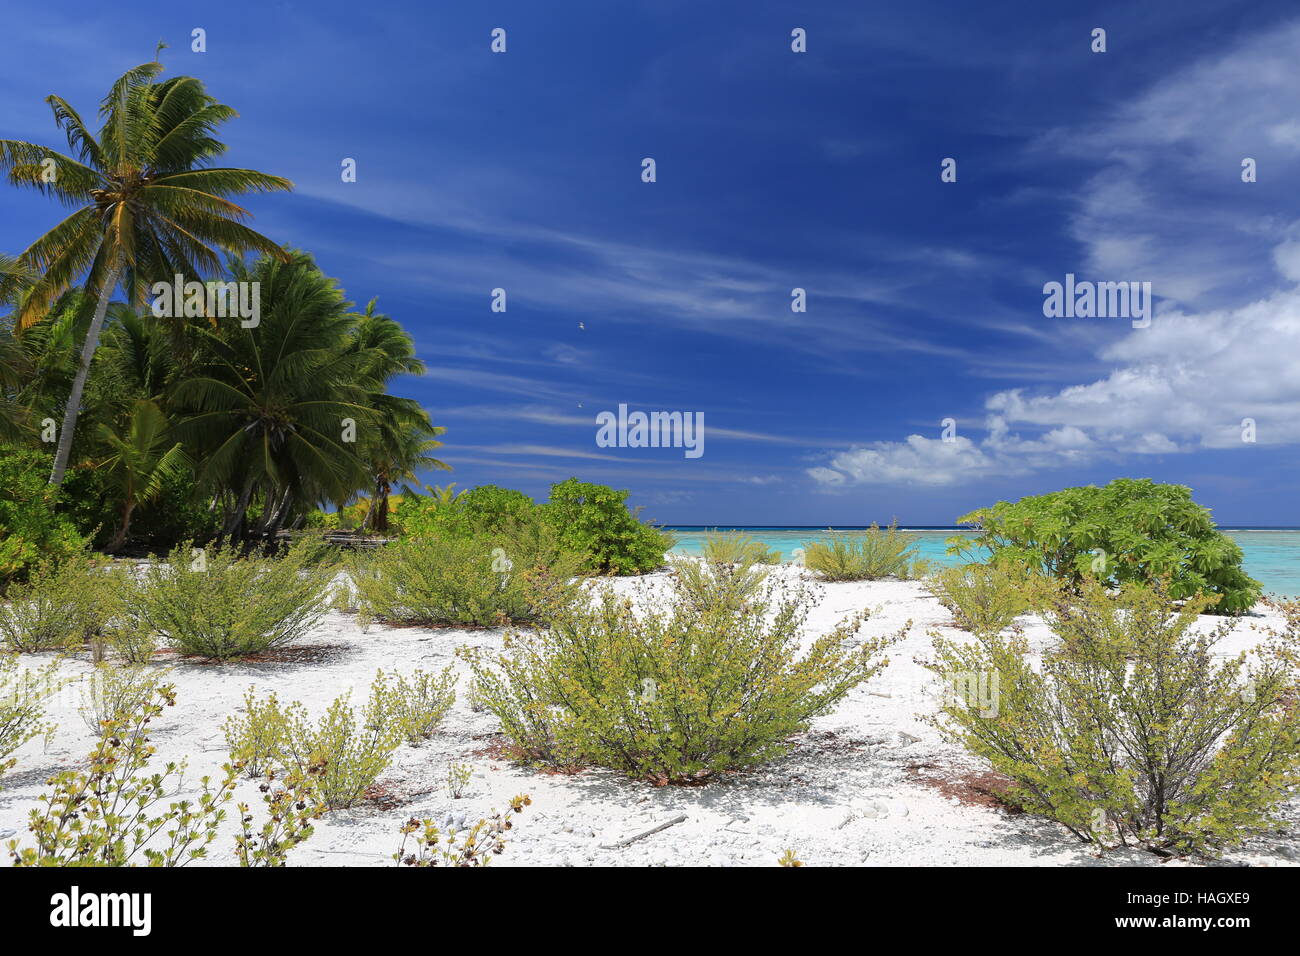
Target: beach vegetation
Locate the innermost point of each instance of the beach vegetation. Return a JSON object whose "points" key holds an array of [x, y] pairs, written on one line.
{"points": [[60, 606], [32, 529], [347, 750], [983, 598], [291, 807], [1135, 729], [113, 694], [1129, 531], [24, 692], [594, 520], [418, 701], [671, 692], [215, 603], [736, 547], [110, 812], [480, 580], [424, 843], [863, 556]]}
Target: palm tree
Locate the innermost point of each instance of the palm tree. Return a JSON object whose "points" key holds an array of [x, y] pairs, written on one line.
{"points": [[403, 436], [399, 442], [443, 496], [140, 462], [14, 364], [271, 409], [147, 204]]}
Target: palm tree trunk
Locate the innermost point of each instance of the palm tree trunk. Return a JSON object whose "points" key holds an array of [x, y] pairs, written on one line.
{"points": [[380, 508], [79, 382], [236, 517], [119, 539]]}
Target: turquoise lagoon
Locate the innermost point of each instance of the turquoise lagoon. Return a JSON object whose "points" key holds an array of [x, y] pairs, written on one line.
{"points": [[1272, 556]]}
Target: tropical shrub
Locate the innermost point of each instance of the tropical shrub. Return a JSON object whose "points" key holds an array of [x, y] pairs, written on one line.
{"points": [[32, 530], [711, 584], [458, 778], [416, 703], [439, 582], [594, 520], [104, 814], [669, 693], [736, 547], [174, 513], [113, 694], [291, 806], [59, 606], [1134, 730], [23, 693], [983, 598], [131, 639], [255, 739], [211, 602], [1130, 531], [487, 509], [869, 556], [345, 755], [473, 847]]}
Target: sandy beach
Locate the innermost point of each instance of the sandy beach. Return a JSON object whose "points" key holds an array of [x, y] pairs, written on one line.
{"points": [[870, 784]]}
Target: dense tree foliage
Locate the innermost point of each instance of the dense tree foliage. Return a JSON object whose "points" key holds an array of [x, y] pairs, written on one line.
{"points": [[1130, 531]]}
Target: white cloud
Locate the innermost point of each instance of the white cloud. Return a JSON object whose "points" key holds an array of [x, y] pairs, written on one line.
{"points": [[1168, 207]]}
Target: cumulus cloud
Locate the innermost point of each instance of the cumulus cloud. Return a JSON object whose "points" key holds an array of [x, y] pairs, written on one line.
{"points": [[1222, 347]]}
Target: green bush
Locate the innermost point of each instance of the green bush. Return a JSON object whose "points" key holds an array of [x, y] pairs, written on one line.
{"points": [[255, 739], [485, 510], [474, 847], [438, 582], [983, 598], [108, 813], [32, 530], [416, 703], [345, 755], [177, 514], [869, 556], [211, 602], [594, 520], [705, 584], [669, 694], [23, 693], [115, 694], [1130, 531], [736, 547], [1134, 730], [57, 607]]}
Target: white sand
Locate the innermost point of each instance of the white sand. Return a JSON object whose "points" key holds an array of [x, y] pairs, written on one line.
{"points": [[845, 795]]}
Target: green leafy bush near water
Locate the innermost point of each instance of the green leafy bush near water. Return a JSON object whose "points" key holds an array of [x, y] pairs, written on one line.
{"points": [[867, 556], [589, 520], [736, 547], [1130, 531]]}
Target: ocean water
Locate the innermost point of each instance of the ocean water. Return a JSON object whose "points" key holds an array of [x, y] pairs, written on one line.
{"points": [[1271, 557]]}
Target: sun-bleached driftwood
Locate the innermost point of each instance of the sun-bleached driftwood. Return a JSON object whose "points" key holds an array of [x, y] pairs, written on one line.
{"points": [[640, 836]]}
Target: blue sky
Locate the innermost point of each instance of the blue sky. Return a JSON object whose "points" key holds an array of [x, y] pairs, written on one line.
{"points": [[776, 170]]}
